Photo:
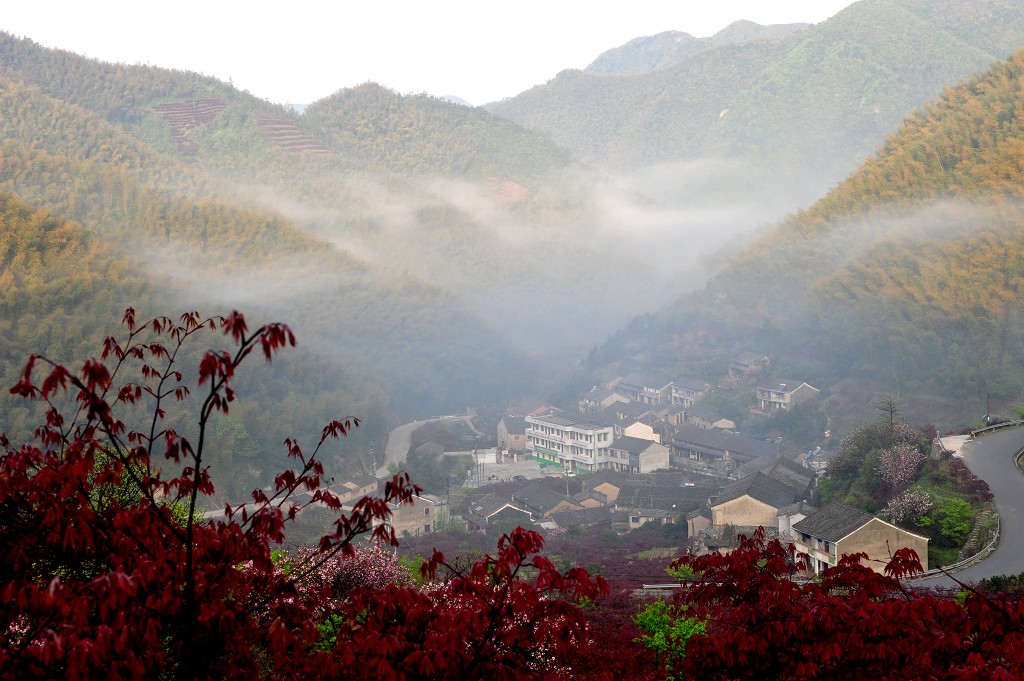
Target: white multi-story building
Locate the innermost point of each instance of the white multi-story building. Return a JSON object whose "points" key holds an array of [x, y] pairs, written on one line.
{"points": [[574, 445]]}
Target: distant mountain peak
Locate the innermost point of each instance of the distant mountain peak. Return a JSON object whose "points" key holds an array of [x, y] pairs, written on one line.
{"points": [[669, 48], [455, 100]]}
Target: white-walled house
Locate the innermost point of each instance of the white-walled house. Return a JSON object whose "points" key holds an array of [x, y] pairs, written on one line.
{"points": [[573, 444], [784, 395]]}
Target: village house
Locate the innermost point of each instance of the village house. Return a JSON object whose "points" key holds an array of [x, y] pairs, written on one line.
{"points": [[641, 429], [669, 491], [421, 516], [794, 513], [784, 395], [684, 392], [586, 517], [753, 501], [836, 530], [784, 470], [707, 419], [747, 364], [512, 434], [590, 498], [541, 502], [698, 522], [492, 509], [356, 488], [607, 483], [572, 444], [640, 455], [676, 416], [626, 519], [600, 398], [645, 389], [716, 446]]}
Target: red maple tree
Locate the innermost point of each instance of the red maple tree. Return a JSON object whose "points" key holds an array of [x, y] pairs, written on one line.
{"points": [[853, 623], [109, 572]]}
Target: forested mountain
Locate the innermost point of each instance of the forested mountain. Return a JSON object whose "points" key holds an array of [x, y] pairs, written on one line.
{"points": [[429, 255], [805, 109], [907, 277], [664, 50]]}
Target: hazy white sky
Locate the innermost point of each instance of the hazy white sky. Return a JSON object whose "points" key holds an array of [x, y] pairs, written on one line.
{"points": [[303, 50]]}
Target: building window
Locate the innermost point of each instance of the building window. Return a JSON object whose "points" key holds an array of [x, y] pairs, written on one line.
{"points": [[426, 511]]}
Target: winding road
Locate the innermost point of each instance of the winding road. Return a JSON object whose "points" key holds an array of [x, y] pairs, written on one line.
{"points": [[992, 458], [400, 438]]}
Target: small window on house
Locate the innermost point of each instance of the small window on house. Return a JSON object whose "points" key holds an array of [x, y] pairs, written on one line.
{"points": [[426, 529], [426, 511], [634, 519]]}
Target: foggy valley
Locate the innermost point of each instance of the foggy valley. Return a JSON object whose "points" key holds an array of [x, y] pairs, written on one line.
{"points": [[654, 216]]}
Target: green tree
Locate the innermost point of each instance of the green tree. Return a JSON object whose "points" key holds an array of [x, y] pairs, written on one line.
{"points": [[955, 518], [667, 629]]}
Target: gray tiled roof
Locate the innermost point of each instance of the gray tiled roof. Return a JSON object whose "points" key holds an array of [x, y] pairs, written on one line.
{"points": [[601, 477], [799, 508], [833, 521], [763, 488], [781, 469], [515, 425], [633, 445], [583, 517], [718, 441], [488, 505], [540, 498]]}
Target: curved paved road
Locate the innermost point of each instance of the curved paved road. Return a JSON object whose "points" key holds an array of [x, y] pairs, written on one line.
{"points": [[400, 438], [991, 458]]}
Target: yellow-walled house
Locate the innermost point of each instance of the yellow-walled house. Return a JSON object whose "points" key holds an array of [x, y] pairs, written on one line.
{"points": [[836, 530]]}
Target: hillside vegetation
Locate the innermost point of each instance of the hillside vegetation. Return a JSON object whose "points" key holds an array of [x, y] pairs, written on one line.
{"points": [[415, 246], [809, 106], [431, 256], [906, 276]]}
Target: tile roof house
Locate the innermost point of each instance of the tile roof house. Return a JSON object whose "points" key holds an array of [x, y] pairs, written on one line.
{"points": [[512, 433], [662, 497], [493, 508], [719, 446], [607, 483], [420, 516], [835, 530], [685, 391], [645, 389], [794, 513], [707, 419], [640, 455], [698, 521], [747, 363], [600, 398], [754, 501], [542, 502], [355, 488], [586, 517], [625, 519], [784, 395], [782, 469], [641, 428], [590, 498]]}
